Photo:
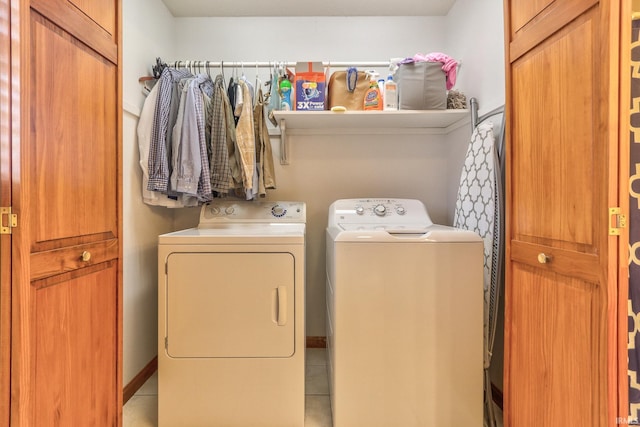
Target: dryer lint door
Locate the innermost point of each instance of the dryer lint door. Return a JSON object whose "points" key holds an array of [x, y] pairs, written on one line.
{"points": [[230, 305]]}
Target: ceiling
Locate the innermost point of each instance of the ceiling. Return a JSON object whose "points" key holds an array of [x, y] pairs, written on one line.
{"points": [[222, 8]]}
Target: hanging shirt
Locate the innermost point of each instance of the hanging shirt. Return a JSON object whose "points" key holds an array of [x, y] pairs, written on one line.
{"points": [[274, 100], [221, 179], [231, 91], [158, 159], [145, 124], [246, 143], [201, 86], [232, 146], [173, 114], [176, 149], [193, 162], [264, 154]]}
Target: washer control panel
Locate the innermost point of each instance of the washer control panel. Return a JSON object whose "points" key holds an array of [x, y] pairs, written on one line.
{"points": [[379, 212], [217, 212]]}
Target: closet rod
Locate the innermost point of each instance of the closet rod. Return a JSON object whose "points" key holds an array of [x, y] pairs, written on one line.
{"points": [[267, 64]]}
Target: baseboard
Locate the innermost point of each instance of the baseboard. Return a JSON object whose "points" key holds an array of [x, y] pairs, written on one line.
{"points": [[137, 381], [146, 372], [496, 393], [316, 342]]}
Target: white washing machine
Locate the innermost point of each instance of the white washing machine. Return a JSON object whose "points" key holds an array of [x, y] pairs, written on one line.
{"points": [[404, 317], [231, 318]]}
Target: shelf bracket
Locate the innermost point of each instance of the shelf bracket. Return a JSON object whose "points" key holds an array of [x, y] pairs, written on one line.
{"points": [[284, 143]]}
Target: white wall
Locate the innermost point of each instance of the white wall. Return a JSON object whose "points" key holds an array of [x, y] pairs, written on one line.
{"points": [[144, 39], [323, 167], [476, 35]]}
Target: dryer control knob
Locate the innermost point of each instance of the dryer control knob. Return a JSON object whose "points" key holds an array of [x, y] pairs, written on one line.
{"points": [[278, 211], [360, 210], [380, 210], [400, 210], [230, 210]]}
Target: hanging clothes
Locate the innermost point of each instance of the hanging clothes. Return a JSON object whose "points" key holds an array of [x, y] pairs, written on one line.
{"points": [[245, 139], [274, 99], [191, 146], [144, 130], [159, 172], [232, 145], [231, 92], [221, 175], [264, 155]]}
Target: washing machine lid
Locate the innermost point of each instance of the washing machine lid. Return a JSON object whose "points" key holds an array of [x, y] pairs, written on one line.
{"points": [[432, 234], [388, 220]]}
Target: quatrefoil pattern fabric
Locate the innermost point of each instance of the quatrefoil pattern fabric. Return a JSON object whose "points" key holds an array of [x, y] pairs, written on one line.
{"points": [[478, 209], [634, 232], [475, 205]]}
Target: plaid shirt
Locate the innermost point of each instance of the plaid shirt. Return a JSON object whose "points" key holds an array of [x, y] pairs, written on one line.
{"points": [[221, 180], [158, 156]]}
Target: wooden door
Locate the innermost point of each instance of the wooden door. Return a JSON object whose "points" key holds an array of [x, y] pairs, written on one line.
{"points": [[562, 134], [66, 192], [5, 200]]}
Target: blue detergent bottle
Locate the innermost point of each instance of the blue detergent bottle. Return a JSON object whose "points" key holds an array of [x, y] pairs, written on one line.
{"points": [[285, 95]]}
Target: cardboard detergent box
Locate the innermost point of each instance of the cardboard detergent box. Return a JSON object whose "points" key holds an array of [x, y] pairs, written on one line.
{"points": [[310, 84]]}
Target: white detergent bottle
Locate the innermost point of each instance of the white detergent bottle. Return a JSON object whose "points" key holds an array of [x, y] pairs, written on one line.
{"points": [[381, 87], [390, 94]]}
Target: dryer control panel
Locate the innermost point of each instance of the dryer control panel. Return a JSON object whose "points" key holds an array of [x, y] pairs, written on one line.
{"points": [[238, 211], [378, 212]]}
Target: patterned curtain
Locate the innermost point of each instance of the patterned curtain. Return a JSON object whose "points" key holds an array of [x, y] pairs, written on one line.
{"points": [[634, 231]]}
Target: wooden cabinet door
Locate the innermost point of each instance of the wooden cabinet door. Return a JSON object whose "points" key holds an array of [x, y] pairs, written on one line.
{"points": [[5, 200], [561, 179], [66, 187]]}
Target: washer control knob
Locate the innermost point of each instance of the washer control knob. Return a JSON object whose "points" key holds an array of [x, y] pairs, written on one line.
{"points": [[215, 210], [380, 210], [400, 210], [278, 211], [230, 210], [360, 210]]}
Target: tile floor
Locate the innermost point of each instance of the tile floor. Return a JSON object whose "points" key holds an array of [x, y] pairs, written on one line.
{"points": [[142, 409]]}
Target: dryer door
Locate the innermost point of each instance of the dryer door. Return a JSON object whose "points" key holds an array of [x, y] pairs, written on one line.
{"points": [[230, 304]]}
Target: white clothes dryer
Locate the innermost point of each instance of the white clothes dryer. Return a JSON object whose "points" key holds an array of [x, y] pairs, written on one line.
{"points": [[231, 318], [404, 317]]}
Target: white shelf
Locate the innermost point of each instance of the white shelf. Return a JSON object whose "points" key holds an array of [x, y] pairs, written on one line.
{"points": [[441, 120], [365, 122]]}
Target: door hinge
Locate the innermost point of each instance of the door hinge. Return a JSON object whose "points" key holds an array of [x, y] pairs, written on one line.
{"points": [[11, 222], [617, 221]]}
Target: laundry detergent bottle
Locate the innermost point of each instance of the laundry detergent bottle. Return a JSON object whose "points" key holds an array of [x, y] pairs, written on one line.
{"points": [[285, 95], [390, 94], [373, 97]]}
